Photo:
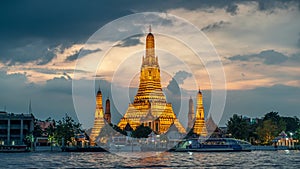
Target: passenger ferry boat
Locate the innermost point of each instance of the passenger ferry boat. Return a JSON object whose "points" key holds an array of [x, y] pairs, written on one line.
{"points": [[13, 148], [212, 145]]}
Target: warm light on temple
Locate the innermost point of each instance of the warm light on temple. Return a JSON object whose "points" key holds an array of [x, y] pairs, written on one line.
{"points": [[99, 119], [150, 106]]}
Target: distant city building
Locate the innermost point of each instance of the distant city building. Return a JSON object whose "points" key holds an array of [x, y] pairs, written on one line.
{"points": [[99, 121], [191, 114], [199, 126], [107, 115], [15, 127], [150, 106]]}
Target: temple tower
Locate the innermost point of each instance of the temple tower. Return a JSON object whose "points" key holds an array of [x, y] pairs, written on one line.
{"points": [[107, 115], [150, 106], [199, 126], [99, 119], [191, 114]]}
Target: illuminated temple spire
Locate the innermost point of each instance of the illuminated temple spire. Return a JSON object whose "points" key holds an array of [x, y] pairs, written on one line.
{"points": [[107, 114], [150, 106], [199, 126], [99, 118], [191, 114]]}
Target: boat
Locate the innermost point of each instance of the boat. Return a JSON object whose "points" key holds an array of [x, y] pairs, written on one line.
{"points": [[212, 145], [83, 149], [124, 144], [13, 148]]}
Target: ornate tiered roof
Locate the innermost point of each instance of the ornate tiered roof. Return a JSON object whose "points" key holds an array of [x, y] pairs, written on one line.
{"points": [[150, 106]]}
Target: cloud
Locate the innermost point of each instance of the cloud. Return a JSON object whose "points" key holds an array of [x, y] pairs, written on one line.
{"points": [[232, 9], [268, 57], [131, 41], [37, 51], [81, 53], [177, 80], [215, 26], [36, 41]]}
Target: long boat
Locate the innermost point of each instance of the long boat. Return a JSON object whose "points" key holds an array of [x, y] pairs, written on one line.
{"points": [[13, 148], [83, 149], [212, 145]]}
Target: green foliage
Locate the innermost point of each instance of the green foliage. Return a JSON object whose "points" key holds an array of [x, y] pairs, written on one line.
{"points": [[37, 131], [273, 116], [238, 127], [292, 123], [276, 120], [297, 135], [267, 131], [141, 131], [66, 128]]}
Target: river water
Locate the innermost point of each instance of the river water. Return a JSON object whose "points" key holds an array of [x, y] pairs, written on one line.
{"points": [[254, 159]]}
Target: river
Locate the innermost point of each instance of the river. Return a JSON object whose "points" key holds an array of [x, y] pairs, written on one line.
{"points": [[254, 159]]}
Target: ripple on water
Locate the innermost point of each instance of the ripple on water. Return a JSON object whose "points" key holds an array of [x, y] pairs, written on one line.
{"points": [[255, 159]]}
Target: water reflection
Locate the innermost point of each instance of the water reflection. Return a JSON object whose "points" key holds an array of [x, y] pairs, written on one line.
{"points": [[261, 159]]}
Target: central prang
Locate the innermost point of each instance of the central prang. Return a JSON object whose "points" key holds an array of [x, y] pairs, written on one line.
{"points": [[150, 106]]}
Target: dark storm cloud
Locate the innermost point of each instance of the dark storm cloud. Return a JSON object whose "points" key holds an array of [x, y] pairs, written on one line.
{"points": [[268, 57], [76, 21], [38, 51], [215, 26], [232, 9], [131, 41], [65, 22], [81, 53]]}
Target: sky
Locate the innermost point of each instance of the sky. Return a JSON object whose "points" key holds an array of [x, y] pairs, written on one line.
{"points": [[43, 42]]}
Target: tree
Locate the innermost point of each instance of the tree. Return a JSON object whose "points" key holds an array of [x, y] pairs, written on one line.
{"points": [[267, 131], [273, 116], [66, 128], [37, 130], [141, 131], [297, 135], [238, 127], [292, 123]]}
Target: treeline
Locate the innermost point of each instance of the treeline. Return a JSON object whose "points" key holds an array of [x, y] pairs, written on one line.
{"points": [[60, 131], [263, 130]]}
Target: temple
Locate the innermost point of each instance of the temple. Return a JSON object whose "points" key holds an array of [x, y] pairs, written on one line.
{"points": [[199, 125], [99, 121], [150, 107]]}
